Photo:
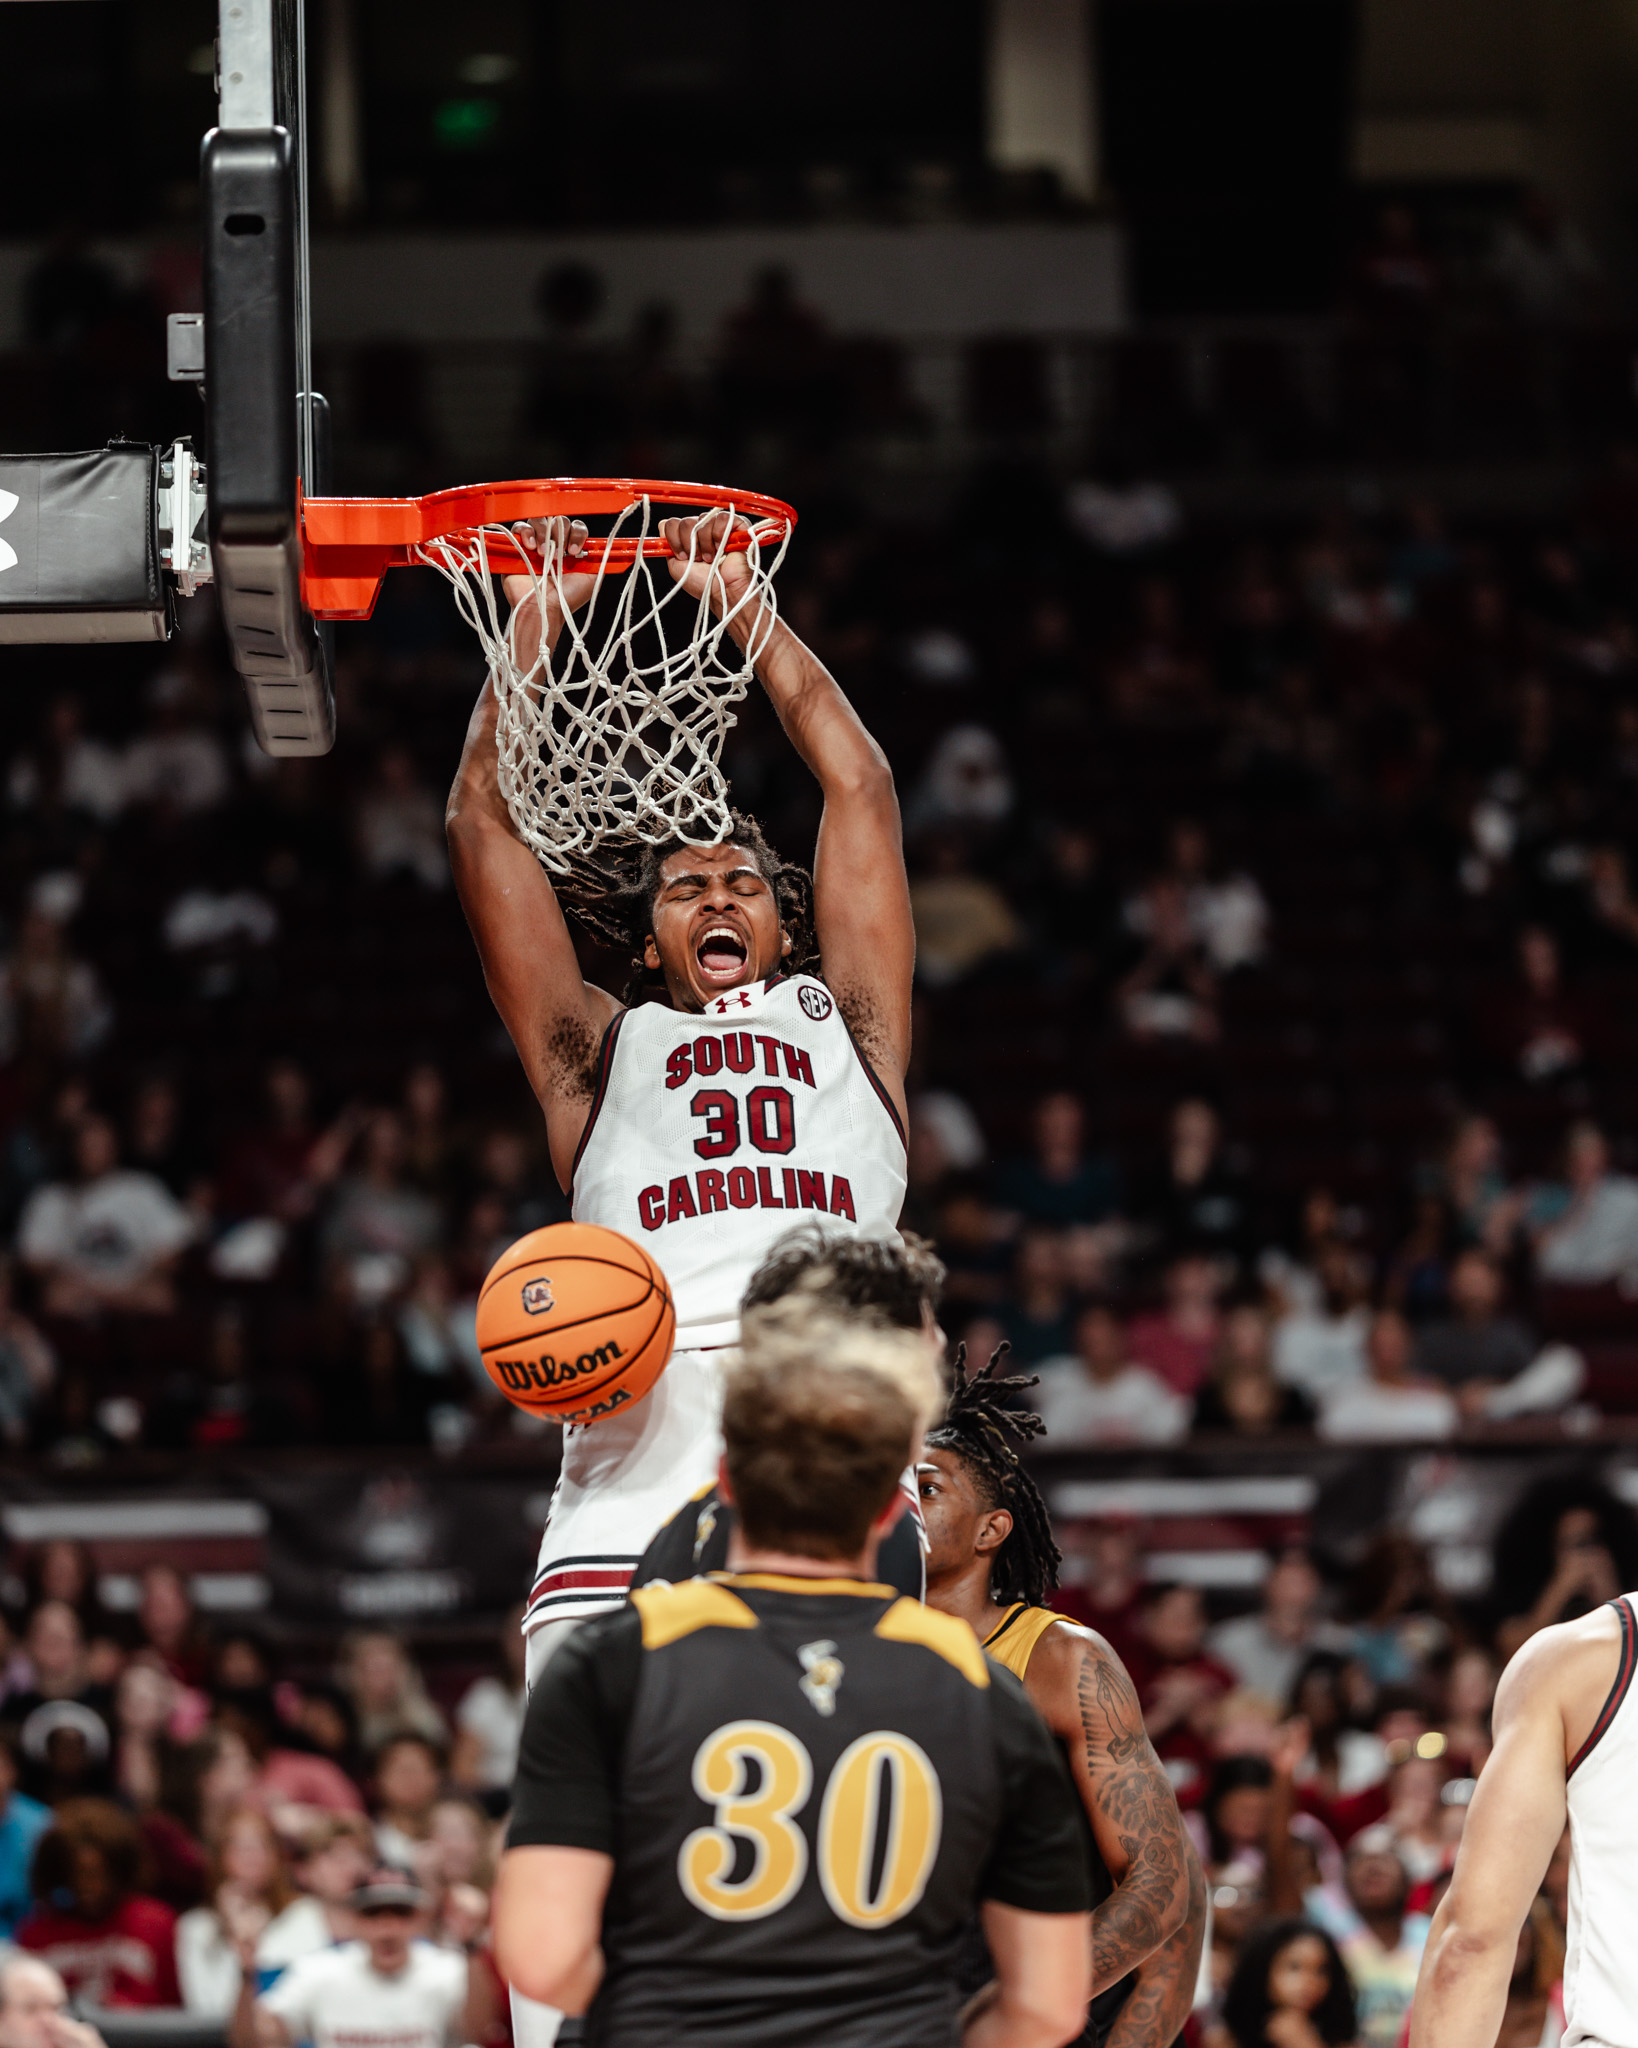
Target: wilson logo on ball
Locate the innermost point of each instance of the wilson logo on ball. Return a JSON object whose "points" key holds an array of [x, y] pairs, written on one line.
{"points": [[538, 1297], [519, 1374]]}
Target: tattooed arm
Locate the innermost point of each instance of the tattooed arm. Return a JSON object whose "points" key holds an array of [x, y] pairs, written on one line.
{"points": [[1163, 1996], [1082, 1692]]}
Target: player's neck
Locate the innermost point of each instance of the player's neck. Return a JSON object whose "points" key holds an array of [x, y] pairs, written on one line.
{"points": [[966, 1595], [792, 1564]]}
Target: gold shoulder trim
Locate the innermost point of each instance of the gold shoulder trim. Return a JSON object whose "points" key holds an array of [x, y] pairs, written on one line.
{"points": [[907, 1621], [1013, 1642], [671, 1612]]}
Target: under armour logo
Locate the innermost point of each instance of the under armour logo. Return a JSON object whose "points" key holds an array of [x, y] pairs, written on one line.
{"points": [[822, 1673], [723, 1004], [9, 502]]}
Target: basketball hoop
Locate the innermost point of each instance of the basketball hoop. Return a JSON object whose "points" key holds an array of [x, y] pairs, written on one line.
{"points": [[616, 734]]}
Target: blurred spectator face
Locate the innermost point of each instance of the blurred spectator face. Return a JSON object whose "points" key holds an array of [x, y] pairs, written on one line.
{"points": [[250, 1860], [424, 1094], [1245, 1339], [1319, 1700], [1100, 1340], [1475, 1287], [1114, 1556], [1195, 1128], [65, 1573], [1586, 1157], [379, 1673], [166, 1612], [407, 1778], [1375, 1876], [1192, 1286], [383, 1153], [240, 1665], [145, 1701], [289, 1098], [388, 1932], [33, 2004], [227, 1780], [336, 1868], [1166, 908], [1251, 1396], [1471, 1686], [1475, 1149], [1342, 1275], [92, 1883], [1191, 851], [95, 1149], [1388, 1349], [1299, 1978], [56, 1647], [459, 1842], [1040, 1265], [1242, 1816], [1059, 1127], [1538, 961], [1175, 1624], [505, 1160], [1292, 1589]]}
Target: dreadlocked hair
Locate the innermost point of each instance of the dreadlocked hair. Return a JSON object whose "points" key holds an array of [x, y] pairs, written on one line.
{"points": [[987, 1435], [612, 898]]}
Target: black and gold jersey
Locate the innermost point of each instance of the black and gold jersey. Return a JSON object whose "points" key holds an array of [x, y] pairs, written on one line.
{"points": [[695, 1542], [1012, 1642], [806, 1785]]}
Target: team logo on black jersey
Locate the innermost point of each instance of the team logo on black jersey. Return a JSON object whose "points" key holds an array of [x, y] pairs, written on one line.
{"points": [[537, 1297], [822, 1672], [815, 1003]]}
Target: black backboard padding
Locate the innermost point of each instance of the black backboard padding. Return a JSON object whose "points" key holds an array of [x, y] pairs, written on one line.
{"points": [[85, 531]]}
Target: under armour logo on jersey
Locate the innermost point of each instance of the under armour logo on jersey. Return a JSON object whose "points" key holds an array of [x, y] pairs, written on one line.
{"points": [[815, 1003], [9, 502], [822, 1673], [735, 999]]}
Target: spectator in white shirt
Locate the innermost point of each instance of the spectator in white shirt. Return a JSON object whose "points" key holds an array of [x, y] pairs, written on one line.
{"points": [[1586, 1230], [177, 764], [489, 1719], [83, 774], [1320, 1348], [1100, 1395], [252, 1903], [391, 1989], [107, 1240], [1267, 1649], [401, 825], [1390, 1405], [34, 2006]]}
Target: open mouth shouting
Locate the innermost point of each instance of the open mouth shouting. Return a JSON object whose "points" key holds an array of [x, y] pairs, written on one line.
{"points": [[721, 954]]}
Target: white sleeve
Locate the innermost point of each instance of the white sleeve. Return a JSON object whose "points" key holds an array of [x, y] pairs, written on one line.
{"points": [[157, 1218], [43, 1232], [291, 1998]]}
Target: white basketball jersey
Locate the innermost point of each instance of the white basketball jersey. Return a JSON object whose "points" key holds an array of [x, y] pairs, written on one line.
{"points": [[1600, 1980], [711, 1134]]}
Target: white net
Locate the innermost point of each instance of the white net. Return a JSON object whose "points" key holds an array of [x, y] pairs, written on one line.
{"points": [[615, 734]]}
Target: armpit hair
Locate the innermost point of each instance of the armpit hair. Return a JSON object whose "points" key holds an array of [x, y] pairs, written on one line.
{"points": [[571, 1058]]}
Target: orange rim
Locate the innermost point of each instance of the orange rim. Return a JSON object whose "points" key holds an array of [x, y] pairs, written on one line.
{"points": [[349, 544]]}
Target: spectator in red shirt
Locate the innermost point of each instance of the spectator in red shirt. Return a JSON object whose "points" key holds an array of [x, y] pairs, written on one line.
{"points": [[1178, 1682], [109, 1943], [1181, 1341]]}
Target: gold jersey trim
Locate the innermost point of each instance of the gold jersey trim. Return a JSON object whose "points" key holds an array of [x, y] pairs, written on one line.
{"points": [[671, 1612], [1012, 1641], [907, 1621]]}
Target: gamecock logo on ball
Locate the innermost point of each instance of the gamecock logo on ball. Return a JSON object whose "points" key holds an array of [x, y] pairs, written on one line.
{"points": [[815, 1003], [537, 1296]]}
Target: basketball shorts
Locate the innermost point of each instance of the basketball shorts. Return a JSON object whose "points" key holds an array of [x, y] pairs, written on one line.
{"points": [[623, 1477]]}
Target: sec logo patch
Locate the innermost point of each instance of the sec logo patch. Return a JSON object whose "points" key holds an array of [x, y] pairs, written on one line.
{"points": [[815, 1003], [537, 1297]]}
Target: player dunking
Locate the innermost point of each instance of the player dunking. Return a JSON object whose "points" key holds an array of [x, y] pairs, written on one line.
{"points": [[703, 1126], [993, 1562], [1566, 1729]]}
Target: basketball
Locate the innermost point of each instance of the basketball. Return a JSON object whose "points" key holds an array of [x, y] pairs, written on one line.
{"points": [[575, 1322]]}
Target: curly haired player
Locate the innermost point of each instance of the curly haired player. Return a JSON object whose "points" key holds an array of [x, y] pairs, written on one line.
{"points": [[993, 1562], [759, 1090]]}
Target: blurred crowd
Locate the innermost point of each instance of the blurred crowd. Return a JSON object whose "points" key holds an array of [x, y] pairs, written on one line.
{"points": [[186, 1818], [1325, 1746]]}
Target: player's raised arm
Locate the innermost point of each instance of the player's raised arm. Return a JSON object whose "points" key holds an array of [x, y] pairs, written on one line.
{"points": [[861, 895], [1512, 1828], [554, 1016]]}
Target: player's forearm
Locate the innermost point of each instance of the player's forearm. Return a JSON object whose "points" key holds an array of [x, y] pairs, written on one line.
{"points": [[1461, 1993], [1144, 1911], [1163, 1996]]}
